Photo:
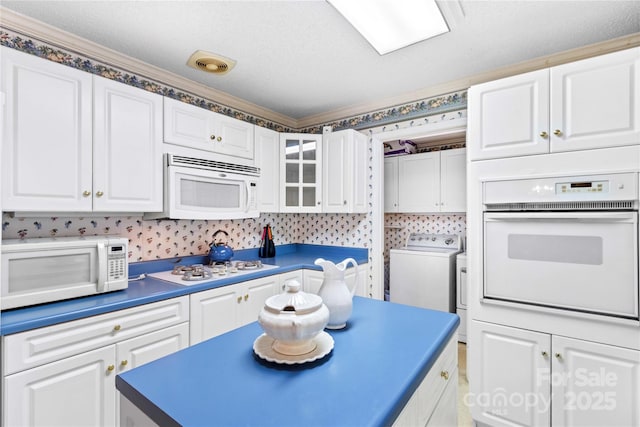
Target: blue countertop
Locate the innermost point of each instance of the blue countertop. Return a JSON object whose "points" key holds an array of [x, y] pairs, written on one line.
{"points": [[288, 258], [377, 363]]}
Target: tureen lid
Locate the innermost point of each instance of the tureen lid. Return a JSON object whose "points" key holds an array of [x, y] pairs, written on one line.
{"points": [[293, 300]]}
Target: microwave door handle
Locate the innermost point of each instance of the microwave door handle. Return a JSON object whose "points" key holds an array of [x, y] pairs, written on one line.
{"points": [[102, 267], [248, 188]]}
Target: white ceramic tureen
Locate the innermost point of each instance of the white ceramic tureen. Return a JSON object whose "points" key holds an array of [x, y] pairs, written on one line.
{"points": [[293, 318]]}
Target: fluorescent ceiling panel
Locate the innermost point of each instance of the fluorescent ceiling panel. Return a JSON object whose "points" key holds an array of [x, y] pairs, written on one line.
{"points": [[393, 24]]}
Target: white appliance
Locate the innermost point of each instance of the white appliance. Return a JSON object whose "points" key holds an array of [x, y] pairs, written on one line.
{"points": [[423, 272], [461, 295], [197, 273], [567, 243], [36, 271], [206, 189]]}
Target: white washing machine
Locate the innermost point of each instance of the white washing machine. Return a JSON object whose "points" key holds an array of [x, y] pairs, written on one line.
{"points": [[423, 273]]}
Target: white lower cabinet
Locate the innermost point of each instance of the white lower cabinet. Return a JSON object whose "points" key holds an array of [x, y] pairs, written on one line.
{"points": [[220, 310], [64, 375], [434, 403], [526, 378]]}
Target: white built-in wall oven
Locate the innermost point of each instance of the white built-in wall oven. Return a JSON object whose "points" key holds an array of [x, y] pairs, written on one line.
{"points": [[563, 243]]}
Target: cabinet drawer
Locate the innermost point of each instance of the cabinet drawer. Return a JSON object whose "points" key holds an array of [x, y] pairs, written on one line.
{"points": [[36, 347]]}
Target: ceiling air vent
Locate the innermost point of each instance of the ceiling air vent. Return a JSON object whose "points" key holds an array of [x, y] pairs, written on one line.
{"points": [[210, 62]]}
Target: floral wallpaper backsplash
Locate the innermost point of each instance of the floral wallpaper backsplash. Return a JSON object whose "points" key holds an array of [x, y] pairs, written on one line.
{"points": [[157, 239], [398, 226]]}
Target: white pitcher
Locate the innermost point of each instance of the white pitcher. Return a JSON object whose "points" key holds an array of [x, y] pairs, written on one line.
{"points": [[334, 291]]}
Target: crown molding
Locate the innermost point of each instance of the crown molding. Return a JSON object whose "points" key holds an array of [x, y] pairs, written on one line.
{"points": [[65, 40], [577, 54]]}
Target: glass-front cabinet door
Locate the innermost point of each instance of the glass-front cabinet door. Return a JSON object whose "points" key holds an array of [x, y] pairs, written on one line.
{"points": [[301, 170]]}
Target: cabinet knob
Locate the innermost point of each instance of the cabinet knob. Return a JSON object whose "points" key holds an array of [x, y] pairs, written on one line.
{"points": [[543, 134], [110, 368], [319, 202], [125, 362], [86, 193], [212, 137], [558, 356], [99, 194], [545, 354], [444, 374], [219, 139], [557, 132], [117, 328], [344, 202], [239, 299], [246, 297]]}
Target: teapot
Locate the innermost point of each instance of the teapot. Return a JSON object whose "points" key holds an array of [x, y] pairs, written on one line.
{"points": [[335, 293], [220, 252], [293, 319]]}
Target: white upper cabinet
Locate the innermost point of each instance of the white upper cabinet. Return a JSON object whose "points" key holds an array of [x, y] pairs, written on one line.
{"points": [[344, 173], [391, 184], [267, 144], [127, 154], [507, 117], [593, 103], [77, 142], [47, 141], [300, 172], [596, 102], [426, 182], [194, 127]]}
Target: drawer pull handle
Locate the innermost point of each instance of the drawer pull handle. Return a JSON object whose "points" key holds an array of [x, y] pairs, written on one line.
{"points": [[117, 328], [444, 374], [110, 368], [125, 362]]}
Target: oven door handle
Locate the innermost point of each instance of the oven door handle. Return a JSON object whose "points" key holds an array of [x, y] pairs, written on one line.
{"points": [[623, 217]]}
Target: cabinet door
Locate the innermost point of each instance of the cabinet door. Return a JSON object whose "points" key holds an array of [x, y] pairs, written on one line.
{"points": [[149, 347], [255, 293], [76, 391], [594, 384], [453, 180], [214, 312], [596, 102], [391, 184], [47, 146], [419, 182], [188, 125], [509, 369], [336, 173], [268, 160], [509, 117], [359, 176], [236, 137], [301, 172], [312, 281], [127, 155]]}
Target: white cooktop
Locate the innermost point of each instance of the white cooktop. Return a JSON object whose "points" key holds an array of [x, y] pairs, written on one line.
{"points": [[222, 274]]}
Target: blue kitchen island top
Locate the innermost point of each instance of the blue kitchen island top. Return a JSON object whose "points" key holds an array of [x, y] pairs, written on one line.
{"points": [[376, 365], [288, 258]]}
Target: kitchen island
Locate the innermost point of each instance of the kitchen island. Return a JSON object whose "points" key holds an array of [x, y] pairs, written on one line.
{"points": [[393, 363]]}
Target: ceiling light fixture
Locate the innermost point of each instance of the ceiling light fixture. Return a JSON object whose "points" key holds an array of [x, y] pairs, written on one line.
{"points": [[390, 25]]}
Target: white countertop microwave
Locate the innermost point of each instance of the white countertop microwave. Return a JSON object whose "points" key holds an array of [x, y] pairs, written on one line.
{"points": [[198, 188], [40, 270]]}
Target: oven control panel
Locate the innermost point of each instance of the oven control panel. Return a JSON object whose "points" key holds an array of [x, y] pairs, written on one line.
{"points": [[582, 187]]}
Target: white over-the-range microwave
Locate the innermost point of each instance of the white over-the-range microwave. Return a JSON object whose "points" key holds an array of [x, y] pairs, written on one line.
{"points": [[198, 188], [41, 270]]}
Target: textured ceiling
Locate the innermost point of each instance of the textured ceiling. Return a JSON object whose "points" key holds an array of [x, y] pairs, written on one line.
{"points": [[301, 58]]}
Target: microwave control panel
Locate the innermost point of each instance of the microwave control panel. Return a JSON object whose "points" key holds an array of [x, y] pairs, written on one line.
{"points": [[582, 187], [117, 258]]}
